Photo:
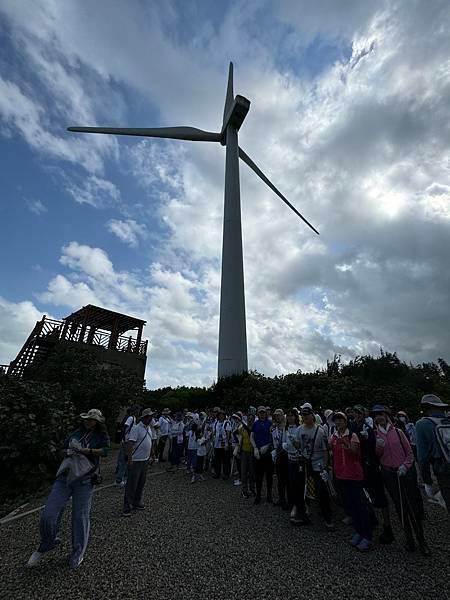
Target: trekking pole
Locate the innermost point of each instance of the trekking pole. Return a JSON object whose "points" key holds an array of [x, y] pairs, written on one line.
{"points": [[402, 516]]}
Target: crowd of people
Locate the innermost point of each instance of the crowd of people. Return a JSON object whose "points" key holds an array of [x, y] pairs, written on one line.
{"points": [[351, 462]]}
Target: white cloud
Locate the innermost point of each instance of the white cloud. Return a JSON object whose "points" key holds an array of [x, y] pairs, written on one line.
{"points": [[21, 113], [129, 231], [95, 191], [36, 206], [361, 149], [17, 319]]}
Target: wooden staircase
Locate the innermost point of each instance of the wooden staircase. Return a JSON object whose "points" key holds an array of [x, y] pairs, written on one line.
{"points": [[36, 347]]}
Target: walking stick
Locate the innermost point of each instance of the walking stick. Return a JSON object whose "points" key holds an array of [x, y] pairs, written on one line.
{"points": [[402, 516]]}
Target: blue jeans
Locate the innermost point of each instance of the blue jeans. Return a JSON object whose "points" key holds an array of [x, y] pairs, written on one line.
{"points": [[122, 465], [61, 492], [191, 459]]}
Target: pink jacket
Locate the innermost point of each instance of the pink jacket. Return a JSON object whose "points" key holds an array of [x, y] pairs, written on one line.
{"points": [[394, 452]]}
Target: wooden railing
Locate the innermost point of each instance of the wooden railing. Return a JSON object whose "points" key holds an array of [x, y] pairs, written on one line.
{"points": [[60, 330]]}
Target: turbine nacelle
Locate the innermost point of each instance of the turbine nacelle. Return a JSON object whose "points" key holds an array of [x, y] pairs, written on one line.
{"points": [[235, 115]]}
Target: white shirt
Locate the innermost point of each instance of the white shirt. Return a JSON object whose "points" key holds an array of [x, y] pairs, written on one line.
{"points": [[153, 431], [164, 423], [192, 441], [129, 423], [141, 435], [221, 428]]}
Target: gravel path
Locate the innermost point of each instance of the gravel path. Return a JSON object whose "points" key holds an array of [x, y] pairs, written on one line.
{"points": [[204, 541]]}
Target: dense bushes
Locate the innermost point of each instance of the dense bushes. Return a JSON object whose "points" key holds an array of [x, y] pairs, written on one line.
{"points": [[90, 384], [37, 414], [365, 380], [34, 420]]}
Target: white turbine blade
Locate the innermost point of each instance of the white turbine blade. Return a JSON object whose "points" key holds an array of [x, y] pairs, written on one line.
{"points": [[174, 133], [267, 181], [230, 94]]}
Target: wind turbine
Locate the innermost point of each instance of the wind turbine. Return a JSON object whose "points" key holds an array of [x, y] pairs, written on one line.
{"points": [[232, 329]]}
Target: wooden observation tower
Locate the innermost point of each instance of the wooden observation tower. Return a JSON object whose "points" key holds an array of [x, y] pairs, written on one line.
{"points": [[92, 328]]}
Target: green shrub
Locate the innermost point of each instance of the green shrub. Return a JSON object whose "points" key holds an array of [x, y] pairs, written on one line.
{"points": [[34, 420]]}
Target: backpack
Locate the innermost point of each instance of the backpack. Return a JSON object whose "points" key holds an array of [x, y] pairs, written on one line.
{"points": [[442, 433], [126, 428]]}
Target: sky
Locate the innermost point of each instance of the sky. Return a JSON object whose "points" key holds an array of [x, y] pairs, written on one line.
{"points": [[349, 118]]}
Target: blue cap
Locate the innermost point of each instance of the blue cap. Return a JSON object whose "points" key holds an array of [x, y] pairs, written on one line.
{"points": [[380, 408]]}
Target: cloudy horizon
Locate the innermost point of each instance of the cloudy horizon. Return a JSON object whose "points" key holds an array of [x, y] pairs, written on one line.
{"points": [[349, 119]]}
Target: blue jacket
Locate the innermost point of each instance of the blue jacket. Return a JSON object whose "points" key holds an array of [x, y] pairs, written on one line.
{"points": [[429, 453]]}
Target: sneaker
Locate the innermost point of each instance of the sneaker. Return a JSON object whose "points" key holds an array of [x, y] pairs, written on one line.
{"points": [[74, 564], [293, 514], [237, 482], [139, 507], [330, 526], [193, 479], [245, 495], [35, 559], [347, 520], [364, 545], [202, 478], [356, 539], [126, 513]]}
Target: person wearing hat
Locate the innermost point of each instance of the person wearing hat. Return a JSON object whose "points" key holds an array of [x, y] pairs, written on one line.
{"points": [[139, 446], [247, 458], [373, 481], [400, 478], [261, 440], [90, 442], [164, 423], [314, 451], [222, 434], [433, 454], [349, 478]]}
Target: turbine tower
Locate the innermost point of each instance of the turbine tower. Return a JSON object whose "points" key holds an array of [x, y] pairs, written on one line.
{"points": [[232, 358]]}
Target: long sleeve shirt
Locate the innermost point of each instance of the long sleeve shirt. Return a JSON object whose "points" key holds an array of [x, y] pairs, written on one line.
{"points": [[428, 451], [396, 450]]}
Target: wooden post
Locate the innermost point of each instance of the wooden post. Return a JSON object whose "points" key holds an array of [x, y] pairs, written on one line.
{"points": [[138, 339], [113, 337]]}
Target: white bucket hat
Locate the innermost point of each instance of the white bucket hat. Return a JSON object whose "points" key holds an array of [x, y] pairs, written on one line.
{"points": [[94, 414], [147, 413]]}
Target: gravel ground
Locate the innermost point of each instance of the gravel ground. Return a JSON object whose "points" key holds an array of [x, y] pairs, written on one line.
{"points": [[203, 540]]}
